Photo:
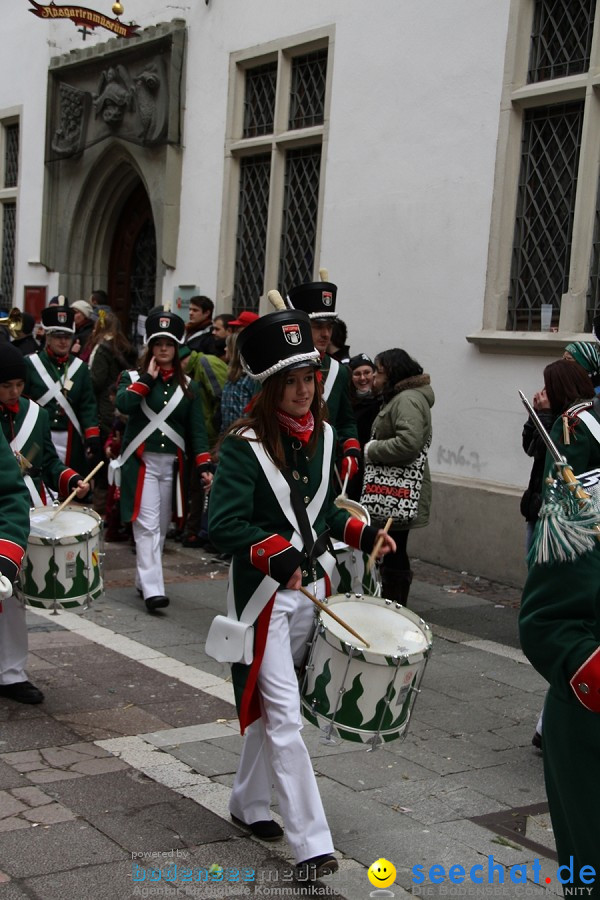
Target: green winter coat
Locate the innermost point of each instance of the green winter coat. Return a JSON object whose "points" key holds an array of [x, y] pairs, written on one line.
{"points": [[559, 625], [337, 397], [400, 431]]}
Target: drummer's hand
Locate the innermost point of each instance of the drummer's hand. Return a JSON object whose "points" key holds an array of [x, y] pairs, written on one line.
{"points": [[6, 588], [82, 489], [389, 544], [295, 582], [153, 368], [206, 479]]}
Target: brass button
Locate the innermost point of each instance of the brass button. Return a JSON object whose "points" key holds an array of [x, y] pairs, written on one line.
{"points": [[305, 573], [307, 500], [305, 479], [260, 552], [583, 687]]}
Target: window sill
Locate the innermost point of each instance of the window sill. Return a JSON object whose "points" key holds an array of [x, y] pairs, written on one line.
{"points": [[525, 343]]}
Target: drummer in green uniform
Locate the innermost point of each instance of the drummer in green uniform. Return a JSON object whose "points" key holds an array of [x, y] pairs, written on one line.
{"points": [[318, 300], [26, 427], [271, 507]]}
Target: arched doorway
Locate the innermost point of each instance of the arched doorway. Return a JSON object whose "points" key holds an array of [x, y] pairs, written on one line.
{"points": [[132, 265]]}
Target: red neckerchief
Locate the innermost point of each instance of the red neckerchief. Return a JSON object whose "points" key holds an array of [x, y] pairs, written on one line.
{"points": [[298, 427], [165, 374], [11, 407], [60, 360]]}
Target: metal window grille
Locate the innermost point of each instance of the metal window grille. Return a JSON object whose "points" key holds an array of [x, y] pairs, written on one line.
{"points": [[7, 276], [11, 156], [253, 211], [259, 100], [561, 38], [545, 204], [307, 95], [299, 227]]}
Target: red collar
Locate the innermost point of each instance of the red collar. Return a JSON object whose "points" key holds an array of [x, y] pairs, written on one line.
{"points": [[11, 407]]}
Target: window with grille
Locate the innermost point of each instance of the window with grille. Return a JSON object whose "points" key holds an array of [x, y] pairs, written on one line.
{"points": [[545, 248], [561, 38], [276, 154], [9, 177], [544, 225]]}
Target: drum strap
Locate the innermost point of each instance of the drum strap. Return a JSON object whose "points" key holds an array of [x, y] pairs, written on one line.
{"points": [[54, 389], [592, 424], [331, 376], [19, 441]]}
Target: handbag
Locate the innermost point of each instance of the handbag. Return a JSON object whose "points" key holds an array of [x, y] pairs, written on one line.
{"points": [[394, 491], [230, 641]]}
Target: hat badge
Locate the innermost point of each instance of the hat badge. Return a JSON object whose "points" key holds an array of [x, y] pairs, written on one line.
{"points": [[163, 322], [292, 334], [62, 317], [327, 298]]}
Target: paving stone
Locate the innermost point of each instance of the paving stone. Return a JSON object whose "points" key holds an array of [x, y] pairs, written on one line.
{"points": [[178, 823], [67, 845], [49, 815], [13, 823], [106, 723], [362, 771], [9, 805], [110, 881], [31, 796], [116, 792], [50, 776], [99, 766], [205, 758], [9, 776], [192, 710], [47, 733]]}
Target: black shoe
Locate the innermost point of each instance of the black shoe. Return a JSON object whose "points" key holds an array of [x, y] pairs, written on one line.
{"points": [[193, 540], [154, 603], [266, 829], [22, 692], [316, 867], [536, 740]]}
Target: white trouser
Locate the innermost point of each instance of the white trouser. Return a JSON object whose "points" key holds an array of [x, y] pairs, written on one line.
{"points": [[152, 523], [13, 641], [273, 751]]}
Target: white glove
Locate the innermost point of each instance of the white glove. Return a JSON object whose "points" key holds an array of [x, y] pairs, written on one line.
{"points": [[6, 588]]}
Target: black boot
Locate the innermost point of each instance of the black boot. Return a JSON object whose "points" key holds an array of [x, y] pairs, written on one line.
{"points": [[395, 585]]}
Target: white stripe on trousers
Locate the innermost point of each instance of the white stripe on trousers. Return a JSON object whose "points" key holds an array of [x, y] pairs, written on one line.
{"points": [[152, 523], [273, 751], [13, 641]]}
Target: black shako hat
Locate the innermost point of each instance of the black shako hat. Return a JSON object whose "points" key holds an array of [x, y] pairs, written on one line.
{"points": [[277, 341], [12, 363], [165, 324], [316, 299], [58, 318]]}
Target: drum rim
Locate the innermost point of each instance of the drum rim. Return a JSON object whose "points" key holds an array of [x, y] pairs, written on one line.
{"points": [[66, 539]]}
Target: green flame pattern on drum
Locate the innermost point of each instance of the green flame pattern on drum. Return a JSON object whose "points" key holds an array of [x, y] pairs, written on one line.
{"points": [[68, 594]]}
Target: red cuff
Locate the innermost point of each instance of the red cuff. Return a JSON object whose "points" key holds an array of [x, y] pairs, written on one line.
{"points": [[92, 432], [11, 555], [262, 554], [353, 532], [63, 481], [138, 387], [586, 682], [203, 459], [351, 447]]}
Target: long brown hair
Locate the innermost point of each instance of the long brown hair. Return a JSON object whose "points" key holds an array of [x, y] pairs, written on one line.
{"points": [[108, 327], [566, 383], [262, 419], [178, 373]]}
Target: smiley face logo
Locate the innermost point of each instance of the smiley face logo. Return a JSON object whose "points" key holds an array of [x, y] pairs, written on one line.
{"points": [[381, 873]]}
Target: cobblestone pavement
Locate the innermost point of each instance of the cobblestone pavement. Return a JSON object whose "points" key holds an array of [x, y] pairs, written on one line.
{"points": [[117, 785]]}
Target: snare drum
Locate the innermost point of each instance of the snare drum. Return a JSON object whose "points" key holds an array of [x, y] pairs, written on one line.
{"points": [[350, 573], [360, 694], [61, 567]]}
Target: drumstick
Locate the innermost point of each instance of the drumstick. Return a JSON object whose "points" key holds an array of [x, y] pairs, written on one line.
{"points": [[341, 622], [378, 544], [72, 494]]}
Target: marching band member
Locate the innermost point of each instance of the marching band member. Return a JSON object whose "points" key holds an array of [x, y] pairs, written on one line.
{"points": [[26, 427], [14, 530], [318, 300], [277, 460], [61, 383], [165, 421]]}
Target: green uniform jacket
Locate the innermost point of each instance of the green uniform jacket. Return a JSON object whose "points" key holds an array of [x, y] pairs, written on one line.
{"points": [[559, 626], [339, 408], [81, 397], [583, 450], [186, 420], [247, 521], [14, 513], [400, 431], [38, 449]]}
